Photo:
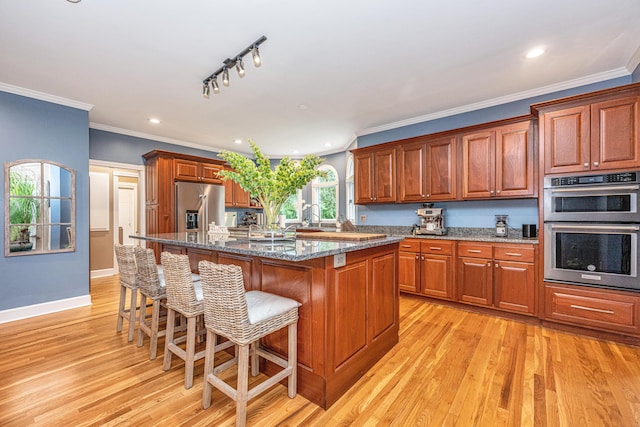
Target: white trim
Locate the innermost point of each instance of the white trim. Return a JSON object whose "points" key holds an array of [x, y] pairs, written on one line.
{"points": [[634, 61], [19, 313], [17, 90], [155, 138], [115, 165], [570, 84], [103, 273]]}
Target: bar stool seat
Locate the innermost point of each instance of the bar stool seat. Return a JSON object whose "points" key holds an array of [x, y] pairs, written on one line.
{"points": [[125, 257], [244, 318], [184, 298]]}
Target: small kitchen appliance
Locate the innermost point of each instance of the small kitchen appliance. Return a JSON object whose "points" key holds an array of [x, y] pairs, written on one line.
{"points": [[501, 225], [431, 221]]}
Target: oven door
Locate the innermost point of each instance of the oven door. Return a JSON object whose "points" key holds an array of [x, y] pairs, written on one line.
{"points": [[592, 254], [609, 203]]}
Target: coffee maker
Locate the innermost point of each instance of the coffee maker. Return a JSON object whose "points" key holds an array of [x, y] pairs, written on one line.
{"points": [[431, 221]]}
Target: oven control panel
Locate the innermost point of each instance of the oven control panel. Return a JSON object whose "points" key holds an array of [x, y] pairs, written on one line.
{"points": [[611, 178]]}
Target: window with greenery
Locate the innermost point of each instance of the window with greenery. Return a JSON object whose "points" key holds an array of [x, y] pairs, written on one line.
{"points": [[292, 207], [39, 207], [325, 196], [351, 206]]}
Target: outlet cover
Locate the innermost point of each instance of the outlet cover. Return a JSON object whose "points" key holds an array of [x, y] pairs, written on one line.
{"points": [[363, 218], [339, 260]]}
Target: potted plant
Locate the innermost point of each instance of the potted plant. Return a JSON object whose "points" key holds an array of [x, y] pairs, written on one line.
{"points": [[271, 187], [24, 210]]}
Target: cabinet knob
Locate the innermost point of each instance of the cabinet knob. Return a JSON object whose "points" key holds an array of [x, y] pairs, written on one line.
{"points": [[428, 195], [596, 164], [586, 165], [498, 191], [489, 264], [422, 258], [496, 264], [417, 257], [491, 192], [423, 196]]}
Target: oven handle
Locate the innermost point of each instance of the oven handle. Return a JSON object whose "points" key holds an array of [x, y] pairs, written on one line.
{"points": [[596, 227], [593, 189]]}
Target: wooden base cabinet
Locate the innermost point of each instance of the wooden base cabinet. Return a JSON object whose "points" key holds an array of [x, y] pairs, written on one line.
{"points": [[426, 268], [499, 276]]}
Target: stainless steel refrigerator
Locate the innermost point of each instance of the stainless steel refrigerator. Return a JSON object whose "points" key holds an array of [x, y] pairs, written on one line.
{"points": [[197, 205]]}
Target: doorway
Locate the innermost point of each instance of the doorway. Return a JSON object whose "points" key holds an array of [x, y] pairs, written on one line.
{"points": [[127, 212]]}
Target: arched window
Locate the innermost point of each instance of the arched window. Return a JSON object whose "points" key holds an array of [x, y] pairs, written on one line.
{"points": [[325, 196], [351, 195], [292, 208]]}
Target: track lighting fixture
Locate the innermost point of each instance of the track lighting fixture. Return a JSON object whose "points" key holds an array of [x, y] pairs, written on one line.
{"points": [[237, 62]]}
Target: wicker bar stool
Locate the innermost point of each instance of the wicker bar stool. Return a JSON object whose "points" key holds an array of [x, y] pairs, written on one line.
{"points": [[184, 296], [244, 318], [126, 259], [151, 285]]}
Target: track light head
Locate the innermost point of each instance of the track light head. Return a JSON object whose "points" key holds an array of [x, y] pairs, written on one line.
{"points": [[257, 61], [205, 89], [225, 76], [214, 85], [240, 66]]}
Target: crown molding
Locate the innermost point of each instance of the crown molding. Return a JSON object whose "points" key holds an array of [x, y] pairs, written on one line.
{"points": [[634, 61], [569, 84], [17, 90], [107, 128]]}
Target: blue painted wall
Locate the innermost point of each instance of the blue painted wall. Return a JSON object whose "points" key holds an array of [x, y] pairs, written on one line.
{"points": [[33, 129], [467, 213]]}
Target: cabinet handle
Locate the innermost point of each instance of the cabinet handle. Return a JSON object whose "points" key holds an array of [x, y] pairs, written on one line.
{"points": [[473, 251], [586, 165], [435, 248], [496, 264], [596, 164], [597, 310], [423, 196], [489, 264], [512, 254], [498, 191], [422, 258], [417, 257], [491, 192], [406, 246], [428, 195]]}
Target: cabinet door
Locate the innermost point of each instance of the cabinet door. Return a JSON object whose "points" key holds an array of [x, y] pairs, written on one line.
{"points": [[363, 178], [441, 169], [384, 162], [411, 173], [566, 135], [242, 198], [478, 170], [475, 281], [209, 173], [409, 271], [186, 169], [514, 286], [615, 134], [514, 161], [437, 276], [228, 193]]}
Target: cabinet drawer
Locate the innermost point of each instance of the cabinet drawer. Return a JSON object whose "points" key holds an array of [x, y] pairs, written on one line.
{"points": [[524, 253], [475, 250], [410, 245], [437, 247], [593, 308]]}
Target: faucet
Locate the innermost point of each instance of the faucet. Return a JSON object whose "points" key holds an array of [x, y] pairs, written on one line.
{"points": [[313, 213]]}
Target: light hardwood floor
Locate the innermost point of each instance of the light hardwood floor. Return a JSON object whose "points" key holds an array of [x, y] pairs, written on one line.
{"points": [[451, 367]]}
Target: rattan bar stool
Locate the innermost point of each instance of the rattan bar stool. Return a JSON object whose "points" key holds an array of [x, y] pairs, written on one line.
{"points": [[151, 285], [126, 259], [184, 296], [244, 318]]}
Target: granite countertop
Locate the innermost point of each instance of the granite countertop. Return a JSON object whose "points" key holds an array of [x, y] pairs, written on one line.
{"points": [[455, 233], [289, 250]]}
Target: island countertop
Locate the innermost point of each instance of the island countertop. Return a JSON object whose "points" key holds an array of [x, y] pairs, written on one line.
{"points": [[299, 249]]}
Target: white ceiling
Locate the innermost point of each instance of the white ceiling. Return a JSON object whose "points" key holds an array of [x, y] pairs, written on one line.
{"points": [[357, 65]]}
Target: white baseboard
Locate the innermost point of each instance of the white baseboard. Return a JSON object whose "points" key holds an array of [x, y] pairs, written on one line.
{"points": [[13, 314], [102, 273]]}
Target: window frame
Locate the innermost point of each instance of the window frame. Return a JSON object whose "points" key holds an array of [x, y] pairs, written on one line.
{"points": [[316, 186]]}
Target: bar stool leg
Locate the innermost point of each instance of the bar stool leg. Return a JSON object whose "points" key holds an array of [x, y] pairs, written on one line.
{"points": [[171, 325], [243, 385], [208, 368], [155, 324], [190, 351], [121, 308], [143, 316], [133, 309], [293, 359]]}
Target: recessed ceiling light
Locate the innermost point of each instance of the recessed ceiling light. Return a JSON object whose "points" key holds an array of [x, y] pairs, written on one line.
{"points": [[295, 151], [237, 141], [154, 120], [303, 107], [327, 144], [535, 52]]}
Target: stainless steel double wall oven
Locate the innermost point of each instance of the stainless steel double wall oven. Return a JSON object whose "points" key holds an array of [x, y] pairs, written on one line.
{"points": [[591, 225]]}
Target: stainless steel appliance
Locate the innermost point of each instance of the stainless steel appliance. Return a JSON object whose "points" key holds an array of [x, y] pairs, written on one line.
{"points": [[608, 197], [197, 205], [431, 221], [602, 254]]}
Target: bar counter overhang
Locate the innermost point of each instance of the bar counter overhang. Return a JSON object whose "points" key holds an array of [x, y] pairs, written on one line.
{"points": [[349, 293]]}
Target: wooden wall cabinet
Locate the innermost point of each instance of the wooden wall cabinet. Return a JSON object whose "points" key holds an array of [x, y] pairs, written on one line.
{"points": [[427, 170], [375, 176], [498, 162], [189, 170], [497, 275], [426, 268], [601, 134], [235, 196]]}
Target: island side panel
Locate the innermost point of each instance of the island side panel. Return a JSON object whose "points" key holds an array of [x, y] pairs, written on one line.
{"points": [[363, 315]]}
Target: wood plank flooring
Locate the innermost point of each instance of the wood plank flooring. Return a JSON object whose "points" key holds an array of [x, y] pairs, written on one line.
{"points": [[450, 368]]}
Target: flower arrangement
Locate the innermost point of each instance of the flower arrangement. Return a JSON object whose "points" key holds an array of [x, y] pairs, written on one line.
{"points": [[271, 187]]}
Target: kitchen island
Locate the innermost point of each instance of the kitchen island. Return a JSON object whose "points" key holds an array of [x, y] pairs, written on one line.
{"points": [[348, 290]]}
